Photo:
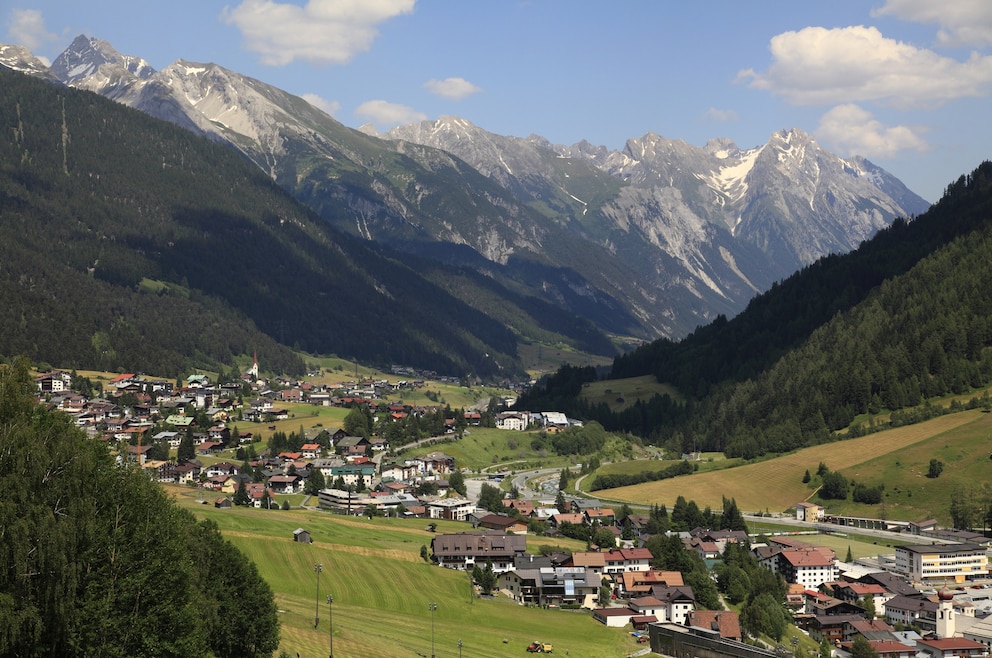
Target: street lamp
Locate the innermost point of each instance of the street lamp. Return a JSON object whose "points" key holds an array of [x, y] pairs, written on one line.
{"points": [[433, 608], [330, 622], [316, 614]]}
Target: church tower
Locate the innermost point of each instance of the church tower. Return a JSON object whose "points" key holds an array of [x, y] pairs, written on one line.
{"points": [[254, 367], [945, 613]]}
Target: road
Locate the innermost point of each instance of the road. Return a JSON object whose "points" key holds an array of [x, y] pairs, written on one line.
{"points": [[473, 485]]}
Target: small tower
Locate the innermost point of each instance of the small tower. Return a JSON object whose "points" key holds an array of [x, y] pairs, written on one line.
{"points": [[253, 371], [945, 613]]}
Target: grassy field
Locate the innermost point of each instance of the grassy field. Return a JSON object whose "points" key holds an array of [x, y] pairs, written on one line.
{"points": [[776, 484], [542, 359], [619, 394], [382, 588], [485, 447]]}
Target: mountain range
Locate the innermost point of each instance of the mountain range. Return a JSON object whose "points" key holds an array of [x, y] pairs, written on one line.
{"points": [[649, 241]]}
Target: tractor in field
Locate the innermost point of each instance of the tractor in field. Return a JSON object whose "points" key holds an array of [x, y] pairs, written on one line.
{"points": [[539, 647]]}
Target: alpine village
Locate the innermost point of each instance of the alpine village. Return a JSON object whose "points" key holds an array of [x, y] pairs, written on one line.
{"points": [[233, 426]]}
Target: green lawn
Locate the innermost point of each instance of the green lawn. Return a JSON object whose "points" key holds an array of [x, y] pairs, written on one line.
{"points": [[382, 588]]}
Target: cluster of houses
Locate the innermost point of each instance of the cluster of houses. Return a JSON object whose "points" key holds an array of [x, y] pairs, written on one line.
{"points": [[900, 604], [910, 611]]}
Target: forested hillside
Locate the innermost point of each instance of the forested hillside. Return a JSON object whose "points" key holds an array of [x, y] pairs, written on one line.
{"points": [[98, 561], [129, 243], [903, 319]]}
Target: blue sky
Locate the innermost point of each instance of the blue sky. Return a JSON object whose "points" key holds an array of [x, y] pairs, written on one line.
{"points": [[906, 83]]}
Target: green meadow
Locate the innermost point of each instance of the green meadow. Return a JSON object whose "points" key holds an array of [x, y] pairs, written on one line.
{"points": [[485, 447], [897, 458], [618, 394], [382, 588]]}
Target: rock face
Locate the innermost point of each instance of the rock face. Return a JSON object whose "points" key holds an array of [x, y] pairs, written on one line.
{"points": [[648, 241]]}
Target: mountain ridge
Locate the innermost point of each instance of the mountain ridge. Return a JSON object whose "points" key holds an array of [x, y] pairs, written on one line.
{"points": [[650, 241], [130, 243]]}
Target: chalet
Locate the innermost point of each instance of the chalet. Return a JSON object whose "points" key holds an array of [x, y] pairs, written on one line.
{"points": [[708, 550], [551, 586], [219, 433], [138, 453], [464, 550], [53, 382], [856, 592], [310, 450], [186, 473], [589, 560], [503, 523], [393, 471], [223, 482], [835, 629], [557, 520], [209, 447], [437, 462], [172, 438], [639, 583], [158, 469], [912, 611], [580, 505], [523, 507], [351, 445], [259, 495], [223, 503], [627, 559], [285, 484], [678, 602], [873, 629], [720, 537], [513, 420], [354, 474], [599, 516], [222, 468], [179, 421]]}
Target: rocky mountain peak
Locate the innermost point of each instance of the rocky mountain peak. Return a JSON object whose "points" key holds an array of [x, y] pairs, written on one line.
{"points": [[19, 58], [85, 57]]}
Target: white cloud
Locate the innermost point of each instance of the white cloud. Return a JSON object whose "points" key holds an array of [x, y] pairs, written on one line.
{"points": [[26, 27], [962, 22], [329, 107], [720, 116], [386, 115], [819, 66], [320, 31], [854, 131], [453, 88]]}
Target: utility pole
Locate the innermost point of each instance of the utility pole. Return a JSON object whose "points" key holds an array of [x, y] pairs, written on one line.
{"points": [[433, 608], [317, 567], [330, 622]]}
